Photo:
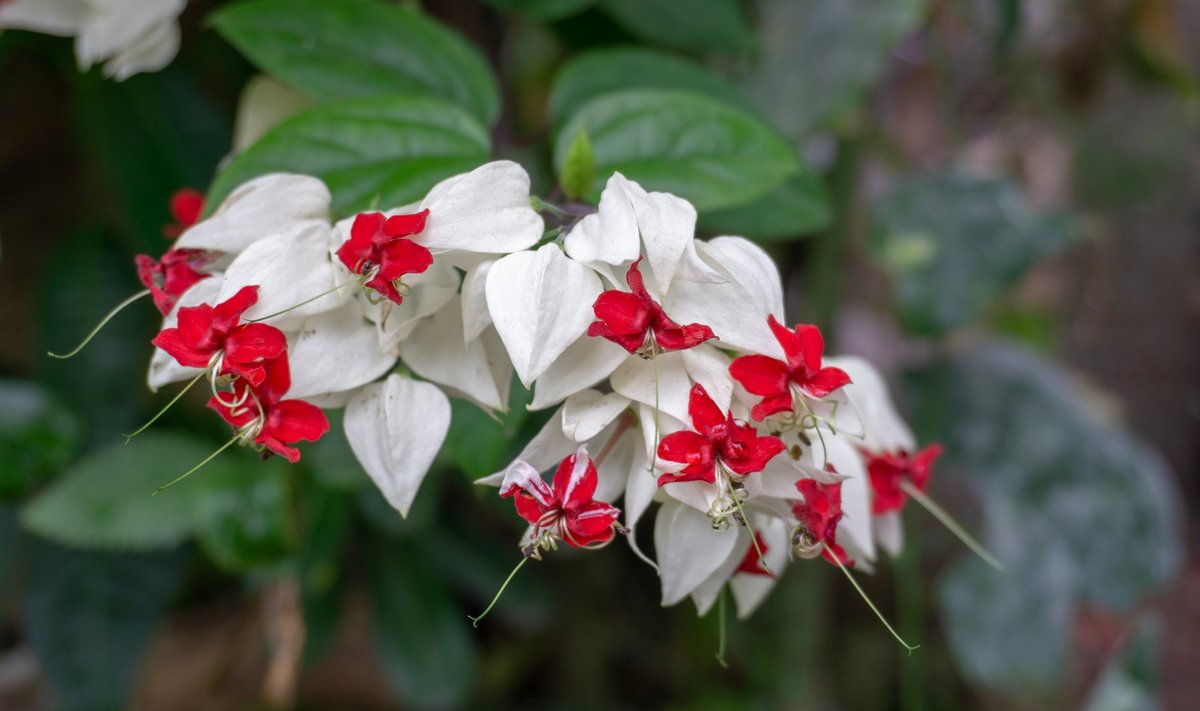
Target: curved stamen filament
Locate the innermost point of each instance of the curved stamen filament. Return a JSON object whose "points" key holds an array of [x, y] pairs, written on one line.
{"points": [[475, 619], [207, 459], [948, 521], [166, 407], [866, 599], [87, 339], [306, 302]]}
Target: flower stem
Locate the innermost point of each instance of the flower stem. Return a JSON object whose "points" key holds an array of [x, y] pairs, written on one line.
{"points": [[191, 471], [721, 628], [116, 310], [166, 407], [306, 302], [948, 521], [863, 595], [475, 619]]}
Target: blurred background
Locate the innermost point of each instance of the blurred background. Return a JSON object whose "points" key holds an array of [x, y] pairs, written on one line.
{"points": [[997, 203]]}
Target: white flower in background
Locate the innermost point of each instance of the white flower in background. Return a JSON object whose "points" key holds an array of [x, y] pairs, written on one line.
{"points": [[127, 36]]}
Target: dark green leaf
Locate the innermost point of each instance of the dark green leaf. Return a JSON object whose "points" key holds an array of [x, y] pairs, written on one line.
{"points": [[385, 151], [1078, 509], [797, 208], [242, 513], [107, 500], [424, 641], [603, 71], [820, 57], [331, 49], [579, 167], [698, 25], [684, 143], [151, 135], [544, 10], [37, 436], [88, 616], [953, 244]]}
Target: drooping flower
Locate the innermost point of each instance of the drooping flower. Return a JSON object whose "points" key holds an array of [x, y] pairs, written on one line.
{"points": [[888, 470], [261, 415], [208, 332], [718, 438], [170, 275], [752, 563], [379, 246], [186, 205], [819, 514], [774, 380], [568, 511], [633, 319]]}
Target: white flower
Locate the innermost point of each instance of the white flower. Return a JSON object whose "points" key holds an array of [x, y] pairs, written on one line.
{"points": [[128, 36]]}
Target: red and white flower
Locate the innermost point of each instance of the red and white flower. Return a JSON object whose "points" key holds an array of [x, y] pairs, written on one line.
{"points": [[566, 512], [781, 382]]}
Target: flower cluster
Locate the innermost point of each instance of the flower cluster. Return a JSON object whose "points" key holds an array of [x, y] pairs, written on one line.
{"points": [[666, 356]]}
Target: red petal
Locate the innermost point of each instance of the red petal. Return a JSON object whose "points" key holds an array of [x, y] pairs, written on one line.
{"points": [[637, 285], [278, 446], [760, 375], [239, 416], [704, 412], [405, 225], [186, 206], [825, 381], [692, 449], [365, 228], [764, 449], [254, 342], [195, 328], [790, 342], [630, 342], [812, 346], [170, 341], [621, 312], [682, 337], [574, 493], [771, 406], [403, 256], [752, 564], [227, 313], [296, 420], [528, 507], [592, 523], [386, 288]]}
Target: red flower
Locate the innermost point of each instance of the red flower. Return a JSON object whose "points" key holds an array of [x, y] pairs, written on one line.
{"points": [[205, 331], [275, 423], [887, 471], [752, 564], [819, 514], [171, 275], [629, 319], [377, 246], [186, 206], [718, 436], [773, 379], [568, 509]]}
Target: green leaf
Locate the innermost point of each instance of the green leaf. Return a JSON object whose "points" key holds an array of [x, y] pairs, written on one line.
{"points": [[331, 49], [603, 71], [242, 514], [38, 435], [385, 150], [579, 166], [1078, 509], [425, 644], [797, 208], [89, 616], [544, 10], [106, 500], [819, 58], [698, 25], [684, 143], [952, 244]]}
